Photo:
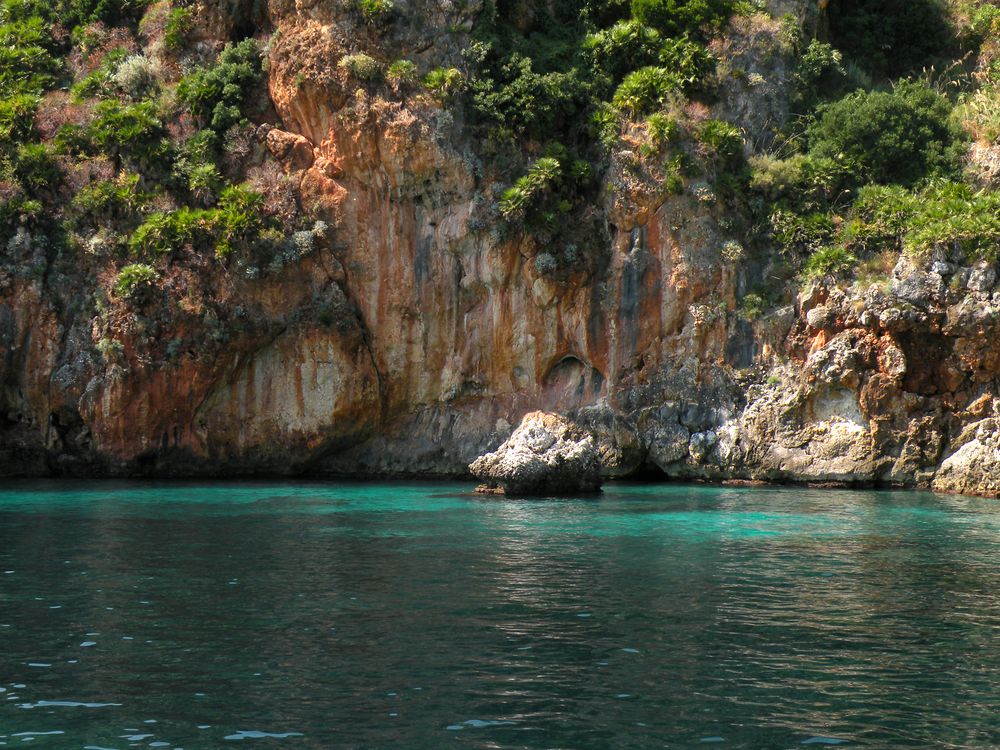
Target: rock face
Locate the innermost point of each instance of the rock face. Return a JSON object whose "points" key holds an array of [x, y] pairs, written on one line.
{"points": [[974, 468], [547, 454], [406, 337]]}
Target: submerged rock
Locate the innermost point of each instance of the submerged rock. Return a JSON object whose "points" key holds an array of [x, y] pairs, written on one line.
{"points": [[547, 454]]}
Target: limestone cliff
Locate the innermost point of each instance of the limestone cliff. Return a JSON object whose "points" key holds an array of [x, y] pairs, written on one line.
{"points": [[411, 336]]}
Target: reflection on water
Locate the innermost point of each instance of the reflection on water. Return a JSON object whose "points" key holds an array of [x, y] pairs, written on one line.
{"points": [[419, 616]]}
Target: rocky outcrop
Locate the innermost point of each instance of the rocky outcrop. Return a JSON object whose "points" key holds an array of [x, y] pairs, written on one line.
{"points": [[406, 335], [546, 455], [974, 468]]}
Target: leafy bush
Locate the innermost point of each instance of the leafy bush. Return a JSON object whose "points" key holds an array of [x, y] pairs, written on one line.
{"points": [[134, 277], [215, 94], [690, 61], [204, 182], [110, 12], [402, 70], [179, 23], [832, 260], [891, 38], [645, 90], [624, 47], [515, 101], [373, 11], [163, 232], [955, 216], [801, 180], [662, 130], [802, 233], [16, 117], [234, 223], [722, 140], [541, 176], [676, 17], [819, 63], [752, 306], [950, 216], [899, 136], [444, 82], [237, 219], [27, 65], [547, 191], [136, 76], [361, 66], [36, 168], [130, 132], [112, 200]]}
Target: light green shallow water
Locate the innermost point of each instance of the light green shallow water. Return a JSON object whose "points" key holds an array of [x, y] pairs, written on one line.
{"points": [[319, 615]]}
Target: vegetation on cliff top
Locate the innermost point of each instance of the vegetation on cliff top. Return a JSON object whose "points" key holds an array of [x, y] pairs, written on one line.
{"points": [[876, 163], [121, 142]]}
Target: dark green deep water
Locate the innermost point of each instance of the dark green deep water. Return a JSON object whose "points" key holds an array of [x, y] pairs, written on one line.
{"points": [[418, 616]]}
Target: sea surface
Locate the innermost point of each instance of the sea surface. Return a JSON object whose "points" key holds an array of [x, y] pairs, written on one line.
{"points": [[385, 615]]}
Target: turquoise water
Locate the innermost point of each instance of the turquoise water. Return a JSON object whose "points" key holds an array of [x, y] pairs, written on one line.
{"points": [[320, 615]]}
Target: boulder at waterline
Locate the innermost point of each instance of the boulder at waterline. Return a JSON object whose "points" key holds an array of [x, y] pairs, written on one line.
{"points": [[546, 454]]}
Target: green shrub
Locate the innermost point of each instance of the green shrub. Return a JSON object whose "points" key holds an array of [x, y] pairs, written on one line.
{"points": [[819, 64], [74, 140], [402, 70], [179, 23], [624, 47], [234, 223], [645, 90], [802, 233], [136, 76], [879, 218], [956, 217], [832, 260], [361, 66], [515, 101], [27, 65], [951, 216], [662, 128], [17, 117], [891, 38], [444, 82], [215, 94], [540, 176], [37, 169], [752, 306], [130, 132], [801, 180], [108, 12], [374, 11], [690, 61], [133, 277], [676, 17], [164, 232], [237, 220], [204, 181], [889, 136], [112, 200], [547, 191], [722, 140]]}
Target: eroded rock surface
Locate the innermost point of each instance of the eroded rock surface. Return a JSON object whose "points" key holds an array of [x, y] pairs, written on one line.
{"points": [[547, 454], [406, 337]]}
